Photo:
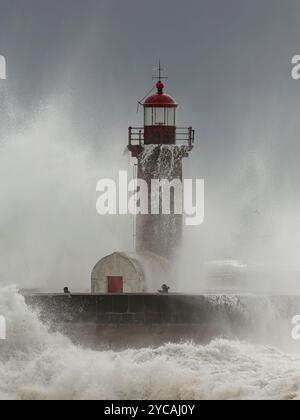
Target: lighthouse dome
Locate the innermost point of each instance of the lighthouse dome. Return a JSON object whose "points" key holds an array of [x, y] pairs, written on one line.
{"points": [[160, 99]]}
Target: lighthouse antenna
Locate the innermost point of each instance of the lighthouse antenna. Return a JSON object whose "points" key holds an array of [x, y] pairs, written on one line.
{"points": [[142, 100], [160, 71]]}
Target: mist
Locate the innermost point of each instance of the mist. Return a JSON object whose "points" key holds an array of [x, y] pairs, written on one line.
{"points": [[51, 234], [75, 71], [251, 213], [74, 74]]}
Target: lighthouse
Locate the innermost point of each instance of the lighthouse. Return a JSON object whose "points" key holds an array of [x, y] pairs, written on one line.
{"points": [[159, 148]]}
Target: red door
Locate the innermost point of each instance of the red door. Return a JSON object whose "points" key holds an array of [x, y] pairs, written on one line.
{"points": [[115, 284]]}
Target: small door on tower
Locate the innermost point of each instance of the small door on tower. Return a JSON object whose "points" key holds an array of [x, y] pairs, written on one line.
{"points": [[114, 284]]}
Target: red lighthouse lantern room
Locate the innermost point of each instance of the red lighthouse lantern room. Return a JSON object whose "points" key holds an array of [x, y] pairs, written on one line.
{"points": [[160, 117], [160, 112]]}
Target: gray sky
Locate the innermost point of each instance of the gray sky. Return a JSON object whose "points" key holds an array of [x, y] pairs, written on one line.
{"points": [[225, 59], [221, 56], [228, 63]]}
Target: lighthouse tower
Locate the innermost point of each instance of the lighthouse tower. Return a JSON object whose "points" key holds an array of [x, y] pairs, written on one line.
{"points": [[159, 147]]}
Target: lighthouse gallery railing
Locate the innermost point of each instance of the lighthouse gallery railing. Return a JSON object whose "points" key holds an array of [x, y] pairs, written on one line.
{"points": [[185, 136]]}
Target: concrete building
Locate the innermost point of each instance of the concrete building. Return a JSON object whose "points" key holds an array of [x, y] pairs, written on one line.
{"points": [[129, 273]]}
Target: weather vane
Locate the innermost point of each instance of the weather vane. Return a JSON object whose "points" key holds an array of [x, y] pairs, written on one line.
{"points": [[160, 71]]}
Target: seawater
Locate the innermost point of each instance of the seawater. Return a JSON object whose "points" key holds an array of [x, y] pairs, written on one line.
{"points": [[36, 364]]}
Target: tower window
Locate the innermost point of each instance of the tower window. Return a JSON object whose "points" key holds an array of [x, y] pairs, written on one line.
{"points": [[160, 116]]}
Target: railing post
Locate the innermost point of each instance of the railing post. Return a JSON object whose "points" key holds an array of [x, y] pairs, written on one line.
{"points": [[129, 135], [140, 137]]}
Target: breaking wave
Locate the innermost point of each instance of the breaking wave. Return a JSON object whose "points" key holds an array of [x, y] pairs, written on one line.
{"points": [[36, 364]]}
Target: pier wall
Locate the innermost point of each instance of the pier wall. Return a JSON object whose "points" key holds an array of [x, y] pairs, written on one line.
{"points": [[153, 319]]}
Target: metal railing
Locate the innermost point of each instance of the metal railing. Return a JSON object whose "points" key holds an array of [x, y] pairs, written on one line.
{"points": [[185, 136]]}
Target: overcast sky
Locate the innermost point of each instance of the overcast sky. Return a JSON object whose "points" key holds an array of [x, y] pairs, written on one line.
{"points": [[224, 59], [228, 63]]}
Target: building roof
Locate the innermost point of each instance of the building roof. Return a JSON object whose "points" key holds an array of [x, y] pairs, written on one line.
{"points": [[160, 99]]}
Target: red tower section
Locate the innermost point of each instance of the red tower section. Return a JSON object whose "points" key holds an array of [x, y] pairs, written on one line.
{"points": [[160, 113], [160, 118]]}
